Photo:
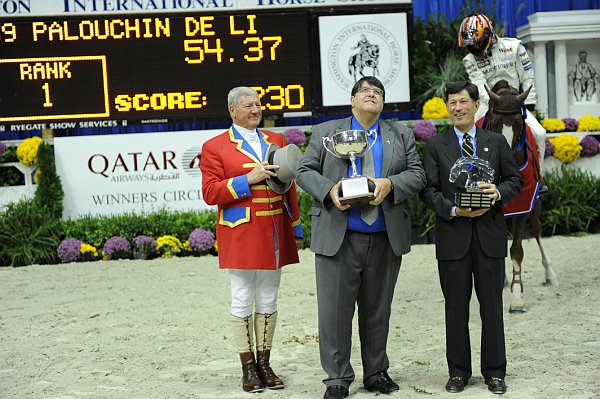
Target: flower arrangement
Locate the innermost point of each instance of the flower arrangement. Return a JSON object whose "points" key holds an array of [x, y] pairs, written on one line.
{"points": [[69, 250], [424, 130], [549, 148], [566, 147], [571, 124], [117, 247], [168, 246], [201, 241], [295, 136], [589, 146], [88, 252], [143, 246], [435, 108], [3, 148], [28, 149], [589, 123], [553, 125]]}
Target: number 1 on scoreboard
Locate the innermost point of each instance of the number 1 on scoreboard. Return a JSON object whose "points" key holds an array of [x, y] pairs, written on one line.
{"points": [[46, 88]]}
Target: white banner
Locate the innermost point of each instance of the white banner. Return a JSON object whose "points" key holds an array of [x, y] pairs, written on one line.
{"points": [[121, 173], [353, 46], [22, 8]]}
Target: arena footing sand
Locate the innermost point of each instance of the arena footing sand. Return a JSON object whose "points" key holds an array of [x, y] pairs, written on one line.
{"points": [[159, 329]]}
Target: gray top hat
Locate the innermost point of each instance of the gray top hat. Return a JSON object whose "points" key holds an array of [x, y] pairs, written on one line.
{"points": [[287, 158]]}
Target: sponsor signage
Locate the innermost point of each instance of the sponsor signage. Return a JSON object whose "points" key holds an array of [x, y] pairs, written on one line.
{"points": [[116, 174]]}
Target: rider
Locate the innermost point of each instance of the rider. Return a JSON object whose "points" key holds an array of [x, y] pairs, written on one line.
{"points": [[492, 58]]}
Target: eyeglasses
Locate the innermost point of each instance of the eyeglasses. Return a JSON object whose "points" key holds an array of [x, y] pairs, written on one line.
{"points": [[366, 90]]}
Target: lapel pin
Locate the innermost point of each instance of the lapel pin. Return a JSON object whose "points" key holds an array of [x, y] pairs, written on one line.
{"points": [[486, 149]]}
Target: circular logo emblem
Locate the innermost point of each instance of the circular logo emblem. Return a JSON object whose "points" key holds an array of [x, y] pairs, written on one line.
{"points": [[364, 49]]}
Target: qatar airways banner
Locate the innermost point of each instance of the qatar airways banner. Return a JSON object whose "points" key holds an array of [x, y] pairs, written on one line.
{"points": [[144, 172]]}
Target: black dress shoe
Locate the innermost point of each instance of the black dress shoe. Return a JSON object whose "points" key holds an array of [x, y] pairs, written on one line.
{"points": [[496, 385], [335, 392], [456, 384], [383, 383]]}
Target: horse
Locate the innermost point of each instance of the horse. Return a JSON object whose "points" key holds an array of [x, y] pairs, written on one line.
{"points": [[366, 58], [506, 116]]}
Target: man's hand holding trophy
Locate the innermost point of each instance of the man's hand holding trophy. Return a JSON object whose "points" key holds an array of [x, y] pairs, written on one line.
{"points": [[357, 189]]}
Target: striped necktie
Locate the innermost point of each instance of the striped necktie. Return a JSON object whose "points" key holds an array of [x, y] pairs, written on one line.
{"points": [[467, 146]]}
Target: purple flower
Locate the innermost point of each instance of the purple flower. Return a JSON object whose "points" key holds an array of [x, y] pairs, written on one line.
{"points": [[571, 124], [3, 147], [144, 244], [424, 130], [589, 146], [69, 250], [295, 136], [201, 241], [117, 248], [549, 148]]}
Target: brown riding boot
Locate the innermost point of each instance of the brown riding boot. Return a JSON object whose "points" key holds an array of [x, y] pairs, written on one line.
{"points": [[264, 326], [251, 381], [244, 338]]}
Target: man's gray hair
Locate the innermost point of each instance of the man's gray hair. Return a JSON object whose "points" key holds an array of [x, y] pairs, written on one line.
{"points": [[233, 98]]}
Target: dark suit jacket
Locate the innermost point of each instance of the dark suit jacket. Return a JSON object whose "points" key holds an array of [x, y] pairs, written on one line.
{"points": [[453, 235], [319, 171]]}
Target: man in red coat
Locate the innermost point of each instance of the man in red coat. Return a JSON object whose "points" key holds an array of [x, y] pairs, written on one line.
{"points": [[258, 230]]}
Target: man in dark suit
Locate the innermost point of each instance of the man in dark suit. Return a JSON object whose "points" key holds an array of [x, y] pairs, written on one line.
{"points": [[471, 243], [357, 262]]}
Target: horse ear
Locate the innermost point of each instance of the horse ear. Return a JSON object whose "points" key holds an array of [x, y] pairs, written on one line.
{"points": [[493, 96], [521, 97]]}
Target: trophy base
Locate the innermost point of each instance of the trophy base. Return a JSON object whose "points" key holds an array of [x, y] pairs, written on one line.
{"points": [[357, 191], [472, 198]]}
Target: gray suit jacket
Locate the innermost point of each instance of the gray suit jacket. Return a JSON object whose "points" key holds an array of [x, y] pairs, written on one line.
{"points": [[319, 171]]}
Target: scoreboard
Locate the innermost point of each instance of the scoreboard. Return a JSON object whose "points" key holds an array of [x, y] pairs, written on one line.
{"points": [[114, 69], [160, 67]]}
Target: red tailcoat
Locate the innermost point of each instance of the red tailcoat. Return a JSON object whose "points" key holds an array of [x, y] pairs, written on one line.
{"points": [[251, 220]]}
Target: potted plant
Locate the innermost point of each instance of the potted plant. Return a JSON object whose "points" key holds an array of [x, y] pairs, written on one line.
{"points": [[143, 247]]}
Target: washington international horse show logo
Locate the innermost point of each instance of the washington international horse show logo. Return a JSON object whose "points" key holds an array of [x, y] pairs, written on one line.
{"points": [[364, 49]]}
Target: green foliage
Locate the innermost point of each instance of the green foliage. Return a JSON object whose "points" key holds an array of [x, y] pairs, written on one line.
{"points": [[305, 202], [97, 229], [10, 176], [435, 81], [10, 155], [573, 202], [28, 234], [49, 193]]}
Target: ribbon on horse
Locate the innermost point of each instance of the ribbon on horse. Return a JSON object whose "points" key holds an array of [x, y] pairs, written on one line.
{"points": [[530, 173]]}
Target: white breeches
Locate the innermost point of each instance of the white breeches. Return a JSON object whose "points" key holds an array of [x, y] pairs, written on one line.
{"points": [[254, 291]]}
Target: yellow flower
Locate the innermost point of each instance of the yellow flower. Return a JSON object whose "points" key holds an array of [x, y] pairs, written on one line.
{"points": [[36, 175], [435, 108], [566, 147], [588, 123], [88, 251], [28, 149], [553, 125], [168, 246]]}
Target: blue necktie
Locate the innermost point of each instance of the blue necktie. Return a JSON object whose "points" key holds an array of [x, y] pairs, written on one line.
{"points": [[467, 146]]}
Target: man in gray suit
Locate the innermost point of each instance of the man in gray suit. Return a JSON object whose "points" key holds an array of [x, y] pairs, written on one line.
{"points": [[471, 243], [357, 262]]}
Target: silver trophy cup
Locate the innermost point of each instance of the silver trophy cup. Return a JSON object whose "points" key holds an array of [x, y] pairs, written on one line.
{"points": [[352, 144]]}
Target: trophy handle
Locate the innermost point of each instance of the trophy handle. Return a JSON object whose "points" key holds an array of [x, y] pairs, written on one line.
{"points": [[329, 140]]}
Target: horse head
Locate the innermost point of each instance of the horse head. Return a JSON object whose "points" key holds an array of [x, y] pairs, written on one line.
{"points": [[476, 169], [506, 110]]}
